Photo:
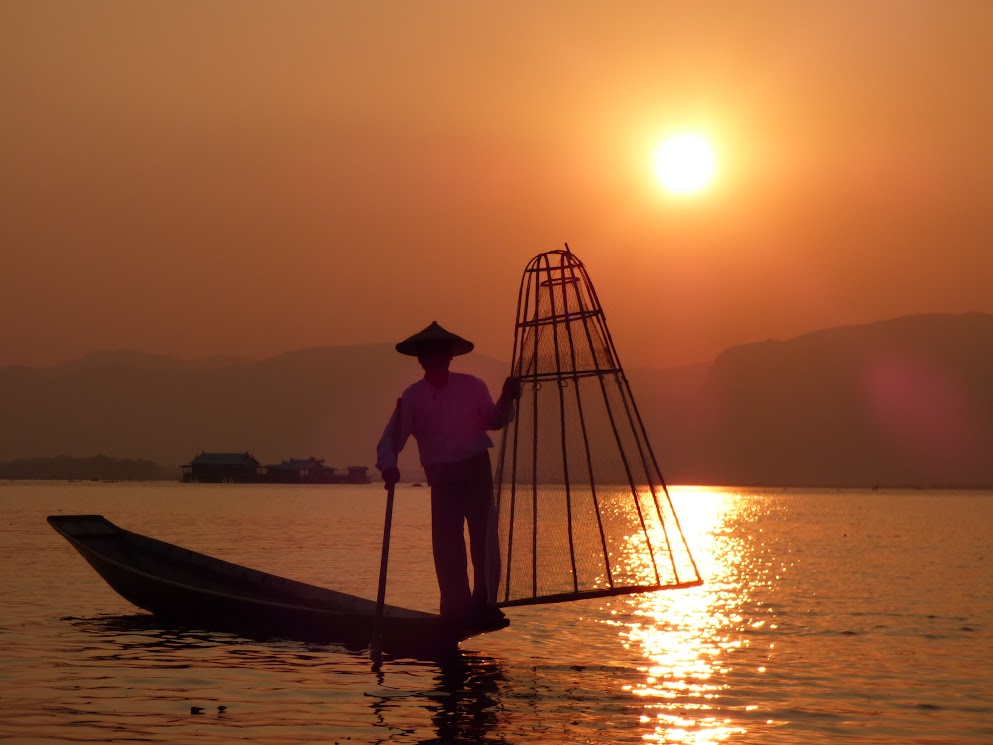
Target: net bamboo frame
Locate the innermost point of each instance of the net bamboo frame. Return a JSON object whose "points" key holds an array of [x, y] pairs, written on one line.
{"points": [[582, 507]]}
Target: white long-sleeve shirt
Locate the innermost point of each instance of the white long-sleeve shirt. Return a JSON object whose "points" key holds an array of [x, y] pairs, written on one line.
{"points": [[449, 423]]}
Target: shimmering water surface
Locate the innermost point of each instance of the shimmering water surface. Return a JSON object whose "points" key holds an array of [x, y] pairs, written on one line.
{"points": [[825, 615]]}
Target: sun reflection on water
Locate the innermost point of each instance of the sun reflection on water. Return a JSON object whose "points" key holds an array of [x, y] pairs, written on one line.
{"points": [[688, 636]]}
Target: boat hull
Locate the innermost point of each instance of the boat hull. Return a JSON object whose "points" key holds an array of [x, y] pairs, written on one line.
{"points": [[182, 587]]}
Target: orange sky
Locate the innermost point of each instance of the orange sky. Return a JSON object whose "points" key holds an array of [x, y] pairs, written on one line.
{"points": [[253, 177]]}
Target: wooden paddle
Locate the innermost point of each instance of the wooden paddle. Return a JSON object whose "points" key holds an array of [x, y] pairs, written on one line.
{"points": [[376, 644]]}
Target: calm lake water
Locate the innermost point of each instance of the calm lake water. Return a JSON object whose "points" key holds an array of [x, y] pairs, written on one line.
{"points": [[825, 616]]}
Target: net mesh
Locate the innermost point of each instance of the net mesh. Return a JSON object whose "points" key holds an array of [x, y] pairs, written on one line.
{"points": [[582, 506]]}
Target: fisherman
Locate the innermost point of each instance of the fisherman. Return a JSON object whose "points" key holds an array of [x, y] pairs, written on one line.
{"points": [[449, 413]]}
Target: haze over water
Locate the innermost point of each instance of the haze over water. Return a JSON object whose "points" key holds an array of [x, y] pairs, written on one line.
{"points": [[825, 615]]}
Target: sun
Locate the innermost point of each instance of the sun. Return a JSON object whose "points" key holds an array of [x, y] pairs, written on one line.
{"points": [[685, 163]]}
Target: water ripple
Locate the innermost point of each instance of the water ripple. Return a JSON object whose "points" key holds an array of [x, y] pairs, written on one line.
{"points": [[824, 616]]}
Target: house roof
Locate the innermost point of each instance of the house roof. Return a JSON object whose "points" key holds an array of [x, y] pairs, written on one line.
{"points": [[224, 459], [301, 464]]}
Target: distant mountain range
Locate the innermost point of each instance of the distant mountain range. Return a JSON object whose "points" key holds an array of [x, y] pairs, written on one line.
{"points": [[906, 402]]}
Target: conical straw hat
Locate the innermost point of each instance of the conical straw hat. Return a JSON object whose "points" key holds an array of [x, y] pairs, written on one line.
{"points": [[434, 337]]}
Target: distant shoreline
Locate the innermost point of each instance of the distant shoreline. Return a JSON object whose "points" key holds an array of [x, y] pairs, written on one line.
{"points": [[105, 468], [92, 468]]}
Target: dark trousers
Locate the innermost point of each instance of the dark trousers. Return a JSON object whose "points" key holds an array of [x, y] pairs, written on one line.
{"points": [[461, 494]]}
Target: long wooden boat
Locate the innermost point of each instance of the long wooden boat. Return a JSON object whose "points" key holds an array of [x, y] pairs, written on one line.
{"points": [[194, 590]]}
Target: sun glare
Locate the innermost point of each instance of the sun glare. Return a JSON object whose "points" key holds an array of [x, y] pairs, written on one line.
{"points": [[685, 163]]}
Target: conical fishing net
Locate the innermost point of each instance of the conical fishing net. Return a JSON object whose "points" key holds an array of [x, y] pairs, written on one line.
{"points": [[582, 508]]}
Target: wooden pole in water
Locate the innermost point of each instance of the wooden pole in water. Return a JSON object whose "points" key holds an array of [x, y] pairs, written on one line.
{"points": [[376, 645]]}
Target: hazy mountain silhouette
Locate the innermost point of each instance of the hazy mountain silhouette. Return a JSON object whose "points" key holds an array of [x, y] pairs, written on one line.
{"points": [[907, 402], [328, 402]]}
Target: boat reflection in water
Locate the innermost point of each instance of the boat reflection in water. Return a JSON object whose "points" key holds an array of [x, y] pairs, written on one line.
{"points": [[690, 636]]}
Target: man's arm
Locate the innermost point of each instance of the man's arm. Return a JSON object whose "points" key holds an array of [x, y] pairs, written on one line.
{"points": [[390, 444], [503, 410]]}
